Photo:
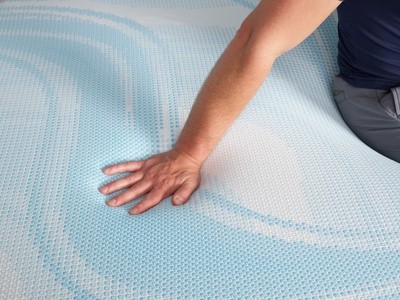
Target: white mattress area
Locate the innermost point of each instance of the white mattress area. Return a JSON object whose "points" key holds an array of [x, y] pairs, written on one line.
{"points": [[292, 205]]}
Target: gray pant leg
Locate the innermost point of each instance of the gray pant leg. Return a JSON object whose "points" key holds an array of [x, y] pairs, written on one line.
{"points": [[372, 114]]}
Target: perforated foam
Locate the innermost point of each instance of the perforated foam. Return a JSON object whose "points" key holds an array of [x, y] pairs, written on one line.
{"points": [[292, 205]]}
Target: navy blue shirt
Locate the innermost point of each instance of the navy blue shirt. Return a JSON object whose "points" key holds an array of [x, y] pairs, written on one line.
{"points": [[369, 43]]}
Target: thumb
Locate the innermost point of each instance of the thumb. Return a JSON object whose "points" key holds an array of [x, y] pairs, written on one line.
{"points": [[183, 194]]}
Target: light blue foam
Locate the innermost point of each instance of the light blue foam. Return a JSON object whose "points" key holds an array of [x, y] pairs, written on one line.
{"points": [[292, 204]]}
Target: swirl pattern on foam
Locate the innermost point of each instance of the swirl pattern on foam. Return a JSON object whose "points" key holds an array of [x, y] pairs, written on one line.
{"points": [[292, 204]]}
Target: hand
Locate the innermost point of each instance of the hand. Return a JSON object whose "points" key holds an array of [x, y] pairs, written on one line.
{"points": [[161, 175]]}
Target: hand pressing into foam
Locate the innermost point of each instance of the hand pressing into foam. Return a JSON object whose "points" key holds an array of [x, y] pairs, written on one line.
{"points": [[169, 173]]}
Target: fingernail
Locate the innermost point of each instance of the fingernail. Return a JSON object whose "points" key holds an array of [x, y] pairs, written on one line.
{"points": [[103, 189], [178, 201], [112, 202], [133, 211]]}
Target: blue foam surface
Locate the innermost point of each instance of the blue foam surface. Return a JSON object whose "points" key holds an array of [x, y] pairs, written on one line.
{"points": [[292, 205]]}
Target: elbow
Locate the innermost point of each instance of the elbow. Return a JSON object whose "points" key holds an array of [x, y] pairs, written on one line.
{"points": [[243, 34], [254, 49]]}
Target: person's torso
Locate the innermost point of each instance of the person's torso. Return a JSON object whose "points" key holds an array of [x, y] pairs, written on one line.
{"points": [[369, 43]]}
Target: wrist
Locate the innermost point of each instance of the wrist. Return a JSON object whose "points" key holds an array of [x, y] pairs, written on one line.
{"points": [[194, 155]]}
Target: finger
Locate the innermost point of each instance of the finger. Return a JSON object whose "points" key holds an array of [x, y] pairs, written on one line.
{"points": [[121, 183], [151, 200], [128, 166], [183, 194], [134, 192]]}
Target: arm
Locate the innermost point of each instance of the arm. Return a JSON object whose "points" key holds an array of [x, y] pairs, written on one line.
{"points": [[273, 28]]}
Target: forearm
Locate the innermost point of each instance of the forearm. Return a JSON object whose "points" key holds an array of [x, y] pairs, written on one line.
{"points": [[231, 84], [272, 29]]}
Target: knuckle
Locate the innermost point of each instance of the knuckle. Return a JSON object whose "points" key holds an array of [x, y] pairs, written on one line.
{"points": [[118, 199], [151, 173], [133, 189], [110, 187], [141, 186], [148, 184], [137, 175], [141, 164], [126, 196], [149, 162], [117, 184], [192, 185], [158, 188], [164, 182], [126, 180], [153, 200], [145, 164]]}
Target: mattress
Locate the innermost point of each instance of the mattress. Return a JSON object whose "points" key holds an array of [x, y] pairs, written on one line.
{"points": [[292, 205]]}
